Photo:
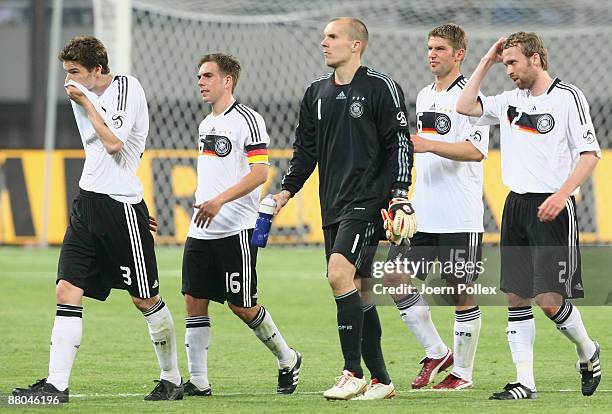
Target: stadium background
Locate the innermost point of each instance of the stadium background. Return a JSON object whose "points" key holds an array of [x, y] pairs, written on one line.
{"points": [[277, 43]]}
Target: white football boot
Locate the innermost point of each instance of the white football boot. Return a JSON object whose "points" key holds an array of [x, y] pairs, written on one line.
{"points": [[346, 387]]}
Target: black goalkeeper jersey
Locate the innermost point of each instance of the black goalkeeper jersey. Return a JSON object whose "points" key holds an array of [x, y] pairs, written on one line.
{"points": [[358, 135]]}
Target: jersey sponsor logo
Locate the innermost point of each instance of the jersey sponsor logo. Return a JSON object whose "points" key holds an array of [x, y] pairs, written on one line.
{"points": [[214, 145], [356, 109], [401, 117], [589, 137], [117, 121], [476, 136], [433, 123], [341, 95], [532, 123]]}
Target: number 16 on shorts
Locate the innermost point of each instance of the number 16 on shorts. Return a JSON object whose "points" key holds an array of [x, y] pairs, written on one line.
{"points": [[232, 282]]}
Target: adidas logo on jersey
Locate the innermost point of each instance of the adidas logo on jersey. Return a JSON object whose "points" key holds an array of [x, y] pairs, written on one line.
{"points": [[433, 106], [341, 95]]}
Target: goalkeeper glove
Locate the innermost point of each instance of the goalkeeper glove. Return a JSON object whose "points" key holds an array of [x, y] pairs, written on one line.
{"points": [[399, 220]]}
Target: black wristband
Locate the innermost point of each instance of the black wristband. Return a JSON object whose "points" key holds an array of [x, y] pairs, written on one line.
{"points": [[399, 193]]}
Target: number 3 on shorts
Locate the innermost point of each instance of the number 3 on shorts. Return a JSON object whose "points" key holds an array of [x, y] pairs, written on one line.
{"points": [[231, 284], [126, 272]]}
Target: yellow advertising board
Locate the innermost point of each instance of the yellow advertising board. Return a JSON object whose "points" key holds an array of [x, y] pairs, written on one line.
{"points": [[169, 179]]}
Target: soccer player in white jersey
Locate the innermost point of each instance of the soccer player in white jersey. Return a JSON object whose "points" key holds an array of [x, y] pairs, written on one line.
{"points": [[449, 173], [219, 261], [108, 243], [548, 149]]}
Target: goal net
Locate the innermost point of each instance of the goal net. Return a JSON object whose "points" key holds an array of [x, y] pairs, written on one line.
{"points": [[277, 43]]}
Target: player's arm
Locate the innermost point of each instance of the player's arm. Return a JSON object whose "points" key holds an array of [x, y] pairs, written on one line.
{"points": [[456, 151], [468, 102], [304, 158], [210, 208], [399, 219], [552, 206], [109, 140]]}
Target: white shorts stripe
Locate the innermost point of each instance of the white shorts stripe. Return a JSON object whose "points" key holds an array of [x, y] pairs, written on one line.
{"points": [[130, 224], [143, 274]]}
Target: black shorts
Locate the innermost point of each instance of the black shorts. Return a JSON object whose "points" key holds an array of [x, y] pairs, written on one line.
{"points": [[539, 257], [108, 245], [459, 255], [356, 240], [221, 269]]}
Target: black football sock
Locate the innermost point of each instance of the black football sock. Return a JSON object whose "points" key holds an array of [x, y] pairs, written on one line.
{"points": [[350, 321], [370, 345]]}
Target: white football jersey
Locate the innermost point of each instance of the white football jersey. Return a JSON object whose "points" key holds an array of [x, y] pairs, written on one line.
{"points": [[123, 107], [227, 144], [541, 136], [448, 194]]}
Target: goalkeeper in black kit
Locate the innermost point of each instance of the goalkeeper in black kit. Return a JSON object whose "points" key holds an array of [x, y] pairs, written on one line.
{"points": [[352, 124]]}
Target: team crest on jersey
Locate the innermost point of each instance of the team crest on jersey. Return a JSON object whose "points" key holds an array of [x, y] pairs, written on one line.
{"points": [[545, 123], [443, 124], [117, 121], [223, 146], [214, 145], [356, 109]]}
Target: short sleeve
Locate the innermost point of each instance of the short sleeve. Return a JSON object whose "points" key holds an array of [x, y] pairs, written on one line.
{"points": [[478, 135], [581, 132], [125, 105], [255, 135], [493, 109]]}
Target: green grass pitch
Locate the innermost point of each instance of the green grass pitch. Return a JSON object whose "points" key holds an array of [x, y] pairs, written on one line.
{"points": [[116, 364]]}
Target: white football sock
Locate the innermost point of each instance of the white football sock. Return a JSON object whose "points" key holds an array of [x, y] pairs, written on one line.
{"points": [[197, 339], [65, 341], [569, 322], [521, 336], [417, 317], [467, 331], [264, 328], [161, 330]]}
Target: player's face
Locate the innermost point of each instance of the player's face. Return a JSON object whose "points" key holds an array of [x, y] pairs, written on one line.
{"points": [[211, 82], [79, 73], [442, 57], [519, 67], [337, 46]]}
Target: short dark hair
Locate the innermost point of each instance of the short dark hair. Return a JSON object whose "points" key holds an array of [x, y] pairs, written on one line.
{"points": [[88, 51], [528, 43], [228, 65], [453, 33], [357, 30]]}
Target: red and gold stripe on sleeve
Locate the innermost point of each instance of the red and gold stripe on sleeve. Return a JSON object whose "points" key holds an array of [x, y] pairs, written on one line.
{"points": [[257, 154]]}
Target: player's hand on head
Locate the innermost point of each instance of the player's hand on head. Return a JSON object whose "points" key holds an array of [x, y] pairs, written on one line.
{"points": [[551, 207], [399, 220], [494, 53], [280, 200], [206, 212]]}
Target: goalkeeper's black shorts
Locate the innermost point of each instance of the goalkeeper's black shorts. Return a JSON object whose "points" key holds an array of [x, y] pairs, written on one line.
{"points": [[356, 240], [539, 257]]}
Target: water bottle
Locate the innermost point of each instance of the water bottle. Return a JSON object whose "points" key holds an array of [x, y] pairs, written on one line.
{"points": [[264, 222]]}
